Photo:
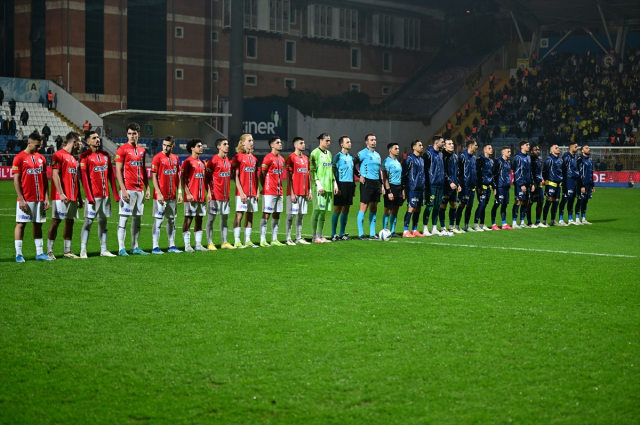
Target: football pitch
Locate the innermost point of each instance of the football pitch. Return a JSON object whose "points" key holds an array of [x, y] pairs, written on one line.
{"points": [[533, 326]]}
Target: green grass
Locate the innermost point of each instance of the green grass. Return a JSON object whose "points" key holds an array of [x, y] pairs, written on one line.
{"points": [[421, 331]]}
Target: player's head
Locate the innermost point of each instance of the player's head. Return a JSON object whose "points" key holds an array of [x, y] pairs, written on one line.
{"points": [[554, 149], [417, 147], [370, 140], [223, 145], [394, 149], [34, 142], [92, 139], [472, 146], [573, 147], [535, 150], [506, 152], [298, 144], [488, 150], [245, 144], [168, 143], [524, 146], [438, 142], [586, 150], [275, 143], [324, 140], [449, 146], [73, 138], [345, 142], [133, 132], [194, 146]]}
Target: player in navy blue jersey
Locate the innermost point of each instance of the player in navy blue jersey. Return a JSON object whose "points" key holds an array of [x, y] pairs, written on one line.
{"points": [[343, 171], [552, 174], [501, 184], [434, 171], [521, 184], [468, 178], [394, 195], [570, 179], [450, 192], [484, 171], [413, 183], [585, 168], [537, 195]]}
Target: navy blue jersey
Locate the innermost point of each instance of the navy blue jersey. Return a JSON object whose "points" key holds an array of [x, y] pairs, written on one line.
{"points": [[522, 169], [501, 173], [450, 162], [433, 162], [585, 167], [536, 169], [467, 170], [552, 169], [484, 170], [413, 175], [569, 167]]}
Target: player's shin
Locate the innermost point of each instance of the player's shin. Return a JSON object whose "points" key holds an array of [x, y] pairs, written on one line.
{"points": [[84, 235], [122, 231], [393, 219], [385, 220], [452, 215], [563, 202], [343, 223], [570, 208], [583, 210], [545, 212], [441, 215], [494, 212], [171, 231], [224, 227], [275, 224], [209, 227], [459, 211], [334, 223], [136, 221], [263, 229], [360, 223], [415, 220], [321, 219], [467, 215], [299, 219], [554, 209], [372, 223], [407, 220], [514, 213], [155, 231], [503, 213]]}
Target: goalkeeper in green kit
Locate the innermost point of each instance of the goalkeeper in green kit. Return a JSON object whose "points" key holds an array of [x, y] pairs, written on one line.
{"points": [[324, 186]]}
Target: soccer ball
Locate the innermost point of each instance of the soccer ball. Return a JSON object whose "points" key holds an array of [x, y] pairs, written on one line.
{"points": [[384, 235]]}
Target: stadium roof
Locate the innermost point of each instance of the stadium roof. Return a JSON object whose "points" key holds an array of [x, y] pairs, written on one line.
{"points": [[133, 114]]}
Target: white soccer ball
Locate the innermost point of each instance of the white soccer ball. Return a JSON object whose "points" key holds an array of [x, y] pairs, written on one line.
{"points": [[384, 235]]}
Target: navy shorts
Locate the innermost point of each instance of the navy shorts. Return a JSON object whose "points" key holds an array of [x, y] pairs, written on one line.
{"points": [[484, 194], [415, 198], [586, 194], [552, 191], [570, 188], [502, 196], [520, 195], [466, 195], [449, 195]]}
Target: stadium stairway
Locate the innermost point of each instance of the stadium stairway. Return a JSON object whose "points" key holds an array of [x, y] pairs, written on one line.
{"points": [[67, 121], [501, 77]]}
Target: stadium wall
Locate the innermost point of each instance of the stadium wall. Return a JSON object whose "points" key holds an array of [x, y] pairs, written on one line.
{"points": [[74, 110]]}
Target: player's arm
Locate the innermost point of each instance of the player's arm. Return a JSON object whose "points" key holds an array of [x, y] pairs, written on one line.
{"points": [[55, 176], [145, 178], [156, 187], [120, 177], [357, 162], [461, 170], [86, 184], [406, 169], [17, 184], [385, 182], [208, 179], [112, 178], [479, 167], [263, 173], [314, 170], [496, 176], [183, 183], [334, 181], [45, 180]]}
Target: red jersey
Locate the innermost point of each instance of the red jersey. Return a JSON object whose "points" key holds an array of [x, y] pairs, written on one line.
{"points": [[274, 166], [134, 167], [247, 164], [299, 166], [67, 164], [219, 170], [96, 172], [193, 175], [167, 168], [33, 175]]}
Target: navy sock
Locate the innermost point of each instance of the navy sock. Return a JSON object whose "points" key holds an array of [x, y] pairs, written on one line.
{"points": [[459, 214], [452, 216], [407, 220], [503, 213], [584, 208], [467, 215], [570, 208], [514, 212], [563, 202], [554, 209], [416, 219], [523, 212], [578, 208], [494, 212], [441, 217], [545, 213]]}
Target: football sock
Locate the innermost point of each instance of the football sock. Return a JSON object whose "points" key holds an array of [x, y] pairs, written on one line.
{"points": [[334, 223], [186, 236], [434, 216], [578, 206], [459, 214], [135, 230], [407, 221], [299, 219], [583, 210], [538, 212], [425, 215], [360, 223], [84, 234], [563, 202], [343, 223], [263, 230], [393, 219], [209, 227], [122, 231], [18, 245], [385, 221], [275, 224], [467, 214], [554, 209], [50, 245], [155, 231], [236, 234], [414, 221], [224, 227], [314, 222], [570, 208], [67, 246], [523, 213], [372, 223], [452, 216], [171, 231], [503, 213], [321, 218], [289, 224], [494, 211], [545, 211], [247, 234], [198, 237], [441, 217], [514, 212], [38, 246]]}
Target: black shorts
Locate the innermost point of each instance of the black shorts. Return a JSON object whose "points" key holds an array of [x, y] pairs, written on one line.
{"points": [[370, 191], [345, 196], [397, 196]]}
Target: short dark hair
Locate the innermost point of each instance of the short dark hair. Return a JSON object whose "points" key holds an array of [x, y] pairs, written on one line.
{"points": [[90, 133], [220, 140], [390, 145], [169, 139], [273, 139], [436, 138], [505, 147], [341, 139], [471, 142], [523, 142], [192, 144], [415, 142], [72, 135], [486, 146], [35, 137], [573, 143], [368, 135], [322, 136], [133, 126], [297, 139], [533, 145]]}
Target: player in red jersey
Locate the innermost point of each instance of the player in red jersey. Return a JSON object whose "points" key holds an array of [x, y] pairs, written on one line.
{"points": [[97, 173], [219, 185], [298, 193], [165, 169], [65, 193], [134, 189], [244, 167], [192, 181], [272, 192], [30, 181]]}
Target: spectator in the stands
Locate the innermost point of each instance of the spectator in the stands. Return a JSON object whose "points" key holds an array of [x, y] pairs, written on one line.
{"points": [[154, 146], [49, 99], [467, 130], [6, 127], [86, 127], [458, 117], [5, 159], [24, 117], [618, 166], [13, 127], [23, 143], [46, 132], [58, 142], [597, 165], [19, 134], [11, 145], [12, 107], [466, 109], [478, 101]]}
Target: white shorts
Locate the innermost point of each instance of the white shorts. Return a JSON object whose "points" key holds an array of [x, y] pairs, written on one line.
{"points": [[195, 209], [219, 207], [135, 205], [250, 206], [272, 203], [101, 208], [299, 207], [168, 210], [35, 213], [62, 211]]}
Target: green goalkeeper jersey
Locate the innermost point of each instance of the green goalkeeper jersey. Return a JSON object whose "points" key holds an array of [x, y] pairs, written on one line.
{"points": [[321, 169]]}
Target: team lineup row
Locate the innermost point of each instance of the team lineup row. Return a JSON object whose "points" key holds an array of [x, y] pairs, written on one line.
{"points": [[433, 178]]}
